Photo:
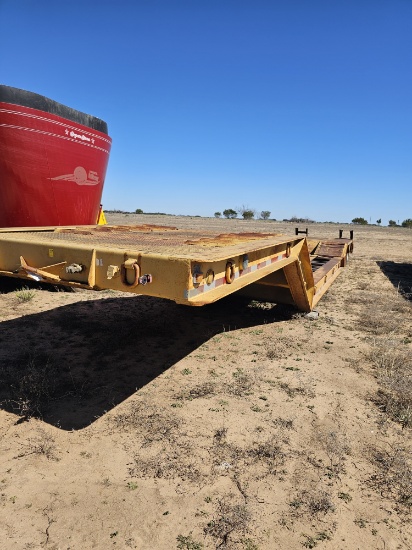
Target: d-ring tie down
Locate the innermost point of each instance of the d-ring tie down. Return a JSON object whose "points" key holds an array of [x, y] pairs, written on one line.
{"points": [[230, 273], [123, 274]]}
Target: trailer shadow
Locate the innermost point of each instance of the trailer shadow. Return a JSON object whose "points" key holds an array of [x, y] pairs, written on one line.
{"points": [[72, 364], [400, 275]]}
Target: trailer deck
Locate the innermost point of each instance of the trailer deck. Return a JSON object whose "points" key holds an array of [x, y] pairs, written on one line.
{"points": [[190, 267]]}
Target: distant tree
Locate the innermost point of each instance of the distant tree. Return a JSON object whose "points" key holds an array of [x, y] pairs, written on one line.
{"points": [[230, 213], [246, 212], [138, 211], [265, 214], [379, 221], [360, 221], [217, 214], [295, 219], [392, 223], [407, 223]]}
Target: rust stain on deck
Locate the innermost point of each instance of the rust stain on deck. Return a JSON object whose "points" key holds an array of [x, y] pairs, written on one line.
{"points": [[114, 229], [226, 239]]}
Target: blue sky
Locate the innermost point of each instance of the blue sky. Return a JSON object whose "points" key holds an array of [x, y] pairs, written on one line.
{"points": [[298, 107]]}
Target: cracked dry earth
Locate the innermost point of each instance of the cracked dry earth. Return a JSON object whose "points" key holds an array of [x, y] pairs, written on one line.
{"points": [[132, 422]]}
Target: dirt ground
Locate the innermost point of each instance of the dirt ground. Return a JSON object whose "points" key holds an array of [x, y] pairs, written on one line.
{"points": [[132, 422]]}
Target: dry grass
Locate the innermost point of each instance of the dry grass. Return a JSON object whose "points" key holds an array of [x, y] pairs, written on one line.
{"points": [[392, 360], [206, 389], [175, 462], [229, 520], [394, 474], [151, 424], [28, 385], [241, 384], [41, 444], [386, 316], [25, 295]]}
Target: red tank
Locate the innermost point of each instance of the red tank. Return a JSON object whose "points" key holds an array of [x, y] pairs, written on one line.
{"points": [[53, 162]]}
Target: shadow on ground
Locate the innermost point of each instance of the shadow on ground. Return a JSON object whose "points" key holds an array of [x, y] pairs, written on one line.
{"points": [[72, 364], [400, 275]]}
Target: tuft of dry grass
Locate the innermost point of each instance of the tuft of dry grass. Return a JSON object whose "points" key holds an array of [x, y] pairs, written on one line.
{"points": [[28, 386], [394, 476], [393, 363], [169, 463], [25, 295], [202, 390], [42, 444], [152, 424], [336, 449], [229, 519], [315, 502], [269, 452], [241, 383]]}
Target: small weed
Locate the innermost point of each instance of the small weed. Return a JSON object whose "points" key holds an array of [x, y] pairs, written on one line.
{"points": [[360, 522], [132, 485], [220, 435], [248, 544], [230, 519], [25, 295], [187, 543], [270, 453], [345, 497], [31, 383], [296, 503], [299, 390], [85, 454], [284, 423], [186, 372], [202, 390], [336, 449], [43, 444], [312, 542], [241, 385], [153, 423], [323, 535], [320, 503]]}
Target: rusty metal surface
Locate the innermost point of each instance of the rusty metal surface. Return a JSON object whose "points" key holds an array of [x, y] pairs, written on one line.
{"points": [[149, 239], [331, 248]]}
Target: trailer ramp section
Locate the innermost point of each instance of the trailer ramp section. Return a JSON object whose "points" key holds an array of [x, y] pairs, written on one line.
{"points": [[189, 267]]}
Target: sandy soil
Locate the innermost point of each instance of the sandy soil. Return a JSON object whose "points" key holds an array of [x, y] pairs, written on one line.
{"points": [[238, 425]]}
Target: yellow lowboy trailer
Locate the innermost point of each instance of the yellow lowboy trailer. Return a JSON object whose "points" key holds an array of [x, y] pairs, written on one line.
{"points": [[189, 267]]}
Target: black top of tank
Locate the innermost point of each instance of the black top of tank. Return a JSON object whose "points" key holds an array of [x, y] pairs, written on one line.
{"points": [[42, 103]]}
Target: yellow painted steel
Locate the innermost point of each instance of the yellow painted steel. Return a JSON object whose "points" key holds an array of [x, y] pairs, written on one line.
{"points": [[189, 267]]}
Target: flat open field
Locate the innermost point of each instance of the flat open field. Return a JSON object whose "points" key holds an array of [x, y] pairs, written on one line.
{"points": [[132, 422]]}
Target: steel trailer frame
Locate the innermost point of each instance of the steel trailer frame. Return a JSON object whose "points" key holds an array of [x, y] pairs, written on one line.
{"points": [[189, 267]]}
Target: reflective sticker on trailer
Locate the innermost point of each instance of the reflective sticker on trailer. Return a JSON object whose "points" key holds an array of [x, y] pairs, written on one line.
{"points": [[222, 281], [99, 262]]}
